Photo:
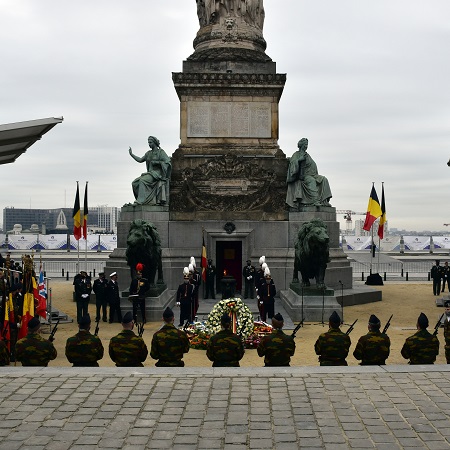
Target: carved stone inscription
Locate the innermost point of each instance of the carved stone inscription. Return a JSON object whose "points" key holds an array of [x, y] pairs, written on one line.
{"points": [[229, 119]]}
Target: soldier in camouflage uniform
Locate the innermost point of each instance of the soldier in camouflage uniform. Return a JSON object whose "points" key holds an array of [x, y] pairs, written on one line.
{"points": [[373, 348], [84, 349], [277, 348], [169, 343], [225, 349], [332, 346], [447, 331], [33, 349], [422, 347], [126, 349]]}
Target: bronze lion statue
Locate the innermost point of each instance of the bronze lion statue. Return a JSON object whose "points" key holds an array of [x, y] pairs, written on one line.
{"points": [[144, 246], [312, 253]]}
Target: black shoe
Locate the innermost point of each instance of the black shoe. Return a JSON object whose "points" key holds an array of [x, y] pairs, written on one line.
{"points": [[97, 319], [180, 324], [105, 320], [110, 321]]}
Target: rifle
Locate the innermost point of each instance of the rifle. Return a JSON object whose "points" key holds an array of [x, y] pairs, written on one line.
{"points": [[52, 334], [388, 323], [97, 327], [297, 328], [351, 327], [436, 328], [140, 329]]}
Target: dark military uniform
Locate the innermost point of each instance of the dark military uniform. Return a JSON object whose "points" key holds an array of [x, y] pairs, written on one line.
{"points": [[196, 282], [445, 277], [138, 288], [225, 349], [113, 295], [168, 346], [128, 350], [185, 297], [34, 350], [84, 349], [447, 338], [277, 349], [267, 292], [332, 347], [83, 288], [210, 281], [101, 299], [421, 348], [249, 283], [436, 275], [4, 354], [259, 276], [373, 348]]}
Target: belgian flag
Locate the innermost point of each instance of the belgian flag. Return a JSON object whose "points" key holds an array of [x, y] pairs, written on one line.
{"points": [[383, 215], [85, 212], [373, 210], [77, 216]]}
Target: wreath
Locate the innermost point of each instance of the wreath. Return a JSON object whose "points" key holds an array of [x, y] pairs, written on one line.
{"points": [[242, 317]]}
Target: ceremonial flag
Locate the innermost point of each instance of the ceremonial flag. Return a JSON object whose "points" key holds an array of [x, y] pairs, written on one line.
{"points": [[383, 215], [9, 317], [373, 210], [28, 310], [41, 296], [204, 262], [85, 213], [76, 216]]}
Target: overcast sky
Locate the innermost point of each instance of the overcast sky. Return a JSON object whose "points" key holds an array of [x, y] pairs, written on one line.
{"points": [[368, 83]]}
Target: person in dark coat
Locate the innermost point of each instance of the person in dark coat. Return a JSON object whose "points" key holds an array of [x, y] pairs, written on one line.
{"points": [[101, 297], [185, 299], [248, 272], [113, 295], [138, 288], [436, 275], [83, 289], [210, 280]]}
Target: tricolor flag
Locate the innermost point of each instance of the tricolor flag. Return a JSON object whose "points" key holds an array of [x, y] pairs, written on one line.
{"points": [[76, 216], [85, 212], [28, 310], [9, 317], [383, 215], [373, 210], [204, 262], [41, 297]]}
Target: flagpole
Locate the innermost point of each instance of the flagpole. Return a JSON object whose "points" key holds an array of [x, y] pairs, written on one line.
{"points": [[85, 227]]}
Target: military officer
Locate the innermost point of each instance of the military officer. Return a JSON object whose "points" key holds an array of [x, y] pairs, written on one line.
{"points": [[84, 349], [225, 349], [33, 349], [249, 282], [447, 331], [373, 348], [113, 295], [126, 349], [210, 280], [445, 277], [333, 346], [185, 298], [138, 288], [436, 275], [422, 347], [101, 300], [169, 344], [267, 292], [277, 348], [83, 288]]}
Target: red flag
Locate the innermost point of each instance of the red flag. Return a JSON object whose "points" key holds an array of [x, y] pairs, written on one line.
{"points": [[41, 296], [373, 210], [204, 262], [76, 216], [85, 212], [383, 215]]}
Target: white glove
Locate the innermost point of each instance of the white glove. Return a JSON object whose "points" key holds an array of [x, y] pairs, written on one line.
{"points": [[85, 295], [178, 303], [261, 303], [249, 278]]}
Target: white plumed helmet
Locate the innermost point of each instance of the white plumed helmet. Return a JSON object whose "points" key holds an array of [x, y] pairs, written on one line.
{"points": [[264, 266], [267, 273], [262, 260], [192, 261], [186, 272], [191, 268]]}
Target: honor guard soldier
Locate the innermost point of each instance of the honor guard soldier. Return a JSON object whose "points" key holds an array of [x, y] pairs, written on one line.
{"points": [[277, 348], [33, 349], [113, 295], [138, 288], [422, 347], [210, 280], [126, 349], [169, 344], [101, 300], [267, 292], [447, 331], [373, 348], [249, 279], [185, 299], [259, 274], [333, 346], [83, 288], [445, 277], [196, 280], [84, 349], [225, 349], [436, 275]]}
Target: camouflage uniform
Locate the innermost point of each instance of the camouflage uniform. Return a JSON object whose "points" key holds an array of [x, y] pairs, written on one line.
{"points": [[373, 348], [332, 347], [34, 350], [225, 349], [168, 346], [277, 348], [4, 354], [447, 338], [127, 350], [421, 348], [84, 349]]}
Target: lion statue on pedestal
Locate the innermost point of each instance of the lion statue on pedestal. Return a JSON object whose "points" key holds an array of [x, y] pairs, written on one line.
{"points": [[312, 253], [144, 247]]}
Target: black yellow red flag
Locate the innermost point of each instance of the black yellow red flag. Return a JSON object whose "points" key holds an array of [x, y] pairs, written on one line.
{"points": [[85, 212], [373, 210], [77, 216], [383, 215]]}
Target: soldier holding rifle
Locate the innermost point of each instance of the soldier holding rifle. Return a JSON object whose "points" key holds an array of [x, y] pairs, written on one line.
{"points": [[422, 347], [84, 349], [373, 348], [33, 349], [333, 346]]}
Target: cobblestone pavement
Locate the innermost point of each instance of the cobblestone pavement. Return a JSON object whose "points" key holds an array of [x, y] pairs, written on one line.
{"points": [[391, 407]]}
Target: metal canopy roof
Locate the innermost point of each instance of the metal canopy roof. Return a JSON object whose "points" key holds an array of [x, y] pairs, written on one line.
{"points": [[15, 138]]}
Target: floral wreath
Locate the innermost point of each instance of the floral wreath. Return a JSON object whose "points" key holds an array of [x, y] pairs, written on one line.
{"points": [[233, 307]]}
